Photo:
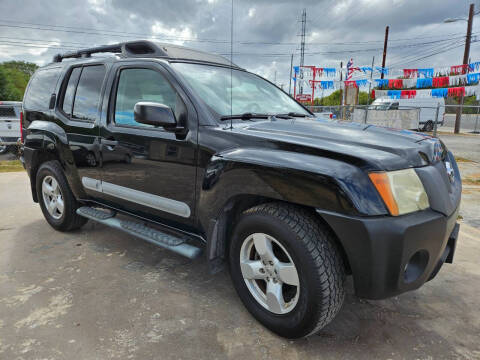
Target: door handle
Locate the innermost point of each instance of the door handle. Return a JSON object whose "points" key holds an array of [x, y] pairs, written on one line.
{"points": [[111, 143]]}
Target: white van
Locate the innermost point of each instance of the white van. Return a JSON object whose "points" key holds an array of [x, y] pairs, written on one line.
{"points": [[9, 124], [428, 109]]}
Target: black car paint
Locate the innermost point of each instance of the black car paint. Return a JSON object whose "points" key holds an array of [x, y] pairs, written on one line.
{"points": [[308, 162]]}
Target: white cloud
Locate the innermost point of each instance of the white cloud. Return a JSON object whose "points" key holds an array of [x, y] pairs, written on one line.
{"points": [[251, 12], [98, 6], [175, 36]]}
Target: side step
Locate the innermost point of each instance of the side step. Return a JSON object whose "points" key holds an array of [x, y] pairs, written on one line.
{"points": [[154, 236]]}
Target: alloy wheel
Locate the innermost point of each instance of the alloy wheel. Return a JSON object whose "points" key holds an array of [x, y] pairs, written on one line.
{"points": [[52, 197], [269, 273]]}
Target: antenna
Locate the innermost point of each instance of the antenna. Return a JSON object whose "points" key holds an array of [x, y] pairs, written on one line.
{"points": [[231, 69], [302, 46]]}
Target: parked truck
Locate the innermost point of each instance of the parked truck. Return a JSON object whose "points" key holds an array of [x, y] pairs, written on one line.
{"points": [[9, 125]]}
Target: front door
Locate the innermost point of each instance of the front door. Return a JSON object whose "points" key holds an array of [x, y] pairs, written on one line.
{"points": [[146, 170]]}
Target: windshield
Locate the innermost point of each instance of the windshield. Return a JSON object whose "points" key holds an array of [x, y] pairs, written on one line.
{"points": [[379, 106], [251, 94]]}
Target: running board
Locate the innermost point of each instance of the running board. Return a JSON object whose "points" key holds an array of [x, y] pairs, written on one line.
{"points": [[154, 236]]}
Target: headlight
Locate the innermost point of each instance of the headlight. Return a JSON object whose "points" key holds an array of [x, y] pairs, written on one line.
{"points": [[402, 191]]}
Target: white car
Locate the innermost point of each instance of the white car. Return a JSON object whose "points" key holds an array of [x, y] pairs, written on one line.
{"points": [[9, 124], [427, 106]]}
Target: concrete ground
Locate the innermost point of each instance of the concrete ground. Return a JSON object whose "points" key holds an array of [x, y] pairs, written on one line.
{"points": [[101, 294], [468, 123]]}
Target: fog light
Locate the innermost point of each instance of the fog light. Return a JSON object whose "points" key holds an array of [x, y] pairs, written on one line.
{"points": [[415, 266]]}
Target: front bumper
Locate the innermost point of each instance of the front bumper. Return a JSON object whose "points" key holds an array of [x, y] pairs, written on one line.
{"points": [[391, 255]]}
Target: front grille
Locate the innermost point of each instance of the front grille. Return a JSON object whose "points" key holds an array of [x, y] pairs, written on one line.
{"points": [[7, 112]]}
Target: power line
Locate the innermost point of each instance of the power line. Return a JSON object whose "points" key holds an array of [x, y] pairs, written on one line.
{"points": [[427, 53], [106, 32], [421, 52], [58, 44]]}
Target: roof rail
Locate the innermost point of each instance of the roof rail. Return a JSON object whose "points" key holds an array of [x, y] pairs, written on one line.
{"points": [[146, 48], [117, 48]]}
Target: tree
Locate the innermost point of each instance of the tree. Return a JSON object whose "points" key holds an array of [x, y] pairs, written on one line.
{"points": [[14, 77], [334, 99]]}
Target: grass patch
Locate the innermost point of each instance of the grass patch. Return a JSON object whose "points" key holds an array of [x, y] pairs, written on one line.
{"points": [[462, 159], [470, 181], [10, 166]]}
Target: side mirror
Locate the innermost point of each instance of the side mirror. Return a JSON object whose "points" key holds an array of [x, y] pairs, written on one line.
{"points": [[155, 114]]}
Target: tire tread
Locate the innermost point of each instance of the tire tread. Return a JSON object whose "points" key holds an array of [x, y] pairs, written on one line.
{"points": [[319, 240]]}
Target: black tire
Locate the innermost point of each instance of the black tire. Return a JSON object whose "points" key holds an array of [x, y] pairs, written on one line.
{"points": [[428, 126], [69, 220], [3, 149], [13, 149], [319, 264]]}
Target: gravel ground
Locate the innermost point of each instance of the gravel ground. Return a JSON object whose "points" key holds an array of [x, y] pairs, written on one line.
{"points": [[97, 293], [101, 294]]}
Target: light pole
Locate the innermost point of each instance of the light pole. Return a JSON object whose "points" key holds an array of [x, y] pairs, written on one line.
{"points": [[466, 54]]}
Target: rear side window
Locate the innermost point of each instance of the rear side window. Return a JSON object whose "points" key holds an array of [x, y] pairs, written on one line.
{"points": [[87, 95], [41, 88], [70, 91], [7, 112]]}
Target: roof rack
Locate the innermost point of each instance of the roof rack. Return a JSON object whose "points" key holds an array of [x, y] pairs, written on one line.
{"points": [[126, 49], [88, 52], [146, 48]]}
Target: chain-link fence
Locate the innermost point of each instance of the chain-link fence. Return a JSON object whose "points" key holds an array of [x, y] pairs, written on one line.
{"points": [[435, 119]]}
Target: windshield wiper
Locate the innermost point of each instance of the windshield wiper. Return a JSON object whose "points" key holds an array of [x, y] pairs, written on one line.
{"points": [[290, 115], [245, 116]]}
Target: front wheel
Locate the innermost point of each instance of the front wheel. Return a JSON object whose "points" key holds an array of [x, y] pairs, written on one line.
{"points": [[287, 269]]}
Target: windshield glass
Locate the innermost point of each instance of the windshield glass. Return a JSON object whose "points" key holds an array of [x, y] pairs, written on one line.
{"points": [[379, 106], [251, 94]]}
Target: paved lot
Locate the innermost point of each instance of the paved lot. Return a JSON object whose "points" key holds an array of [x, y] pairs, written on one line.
{"points": [[469, 122], [99, 294], [465, 146]]}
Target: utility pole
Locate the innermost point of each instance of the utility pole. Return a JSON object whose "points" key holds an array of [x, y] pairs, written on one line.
{"points": [[290, 84], [370, 85], [466, 54], [341, 79], [302, 47], [275, 78], [384, 50], [342, 109]]}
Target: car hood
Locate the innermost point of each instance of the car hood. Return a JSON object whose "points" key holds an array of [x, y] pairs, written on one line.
{"points": [[370, 146]]}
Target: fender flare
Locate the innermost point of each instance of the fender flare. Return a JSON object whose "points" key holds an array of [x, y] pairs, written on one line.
{"points": [[44, 141], [275, 175]]}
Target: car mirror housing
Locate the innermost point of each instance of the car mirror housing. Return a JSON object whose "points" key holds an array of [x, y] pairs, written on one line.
{"points": [[156, 114]]}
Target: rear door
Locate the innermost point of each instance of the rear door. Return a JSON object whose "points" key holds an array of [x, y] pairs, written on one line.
{"points": [[79, 110], [146, 170]]}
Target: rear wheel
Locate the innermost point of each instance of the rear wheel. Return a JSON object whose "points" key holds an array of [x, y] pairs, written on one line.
{"points": [[3, 148], [287, 269], [56, 200], [428, 126]]}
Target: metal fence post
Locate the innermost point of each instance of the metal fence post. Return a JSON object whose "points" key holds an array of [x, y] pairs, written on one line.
{"points": [[366, 114], [435, 123], [475, 131]]}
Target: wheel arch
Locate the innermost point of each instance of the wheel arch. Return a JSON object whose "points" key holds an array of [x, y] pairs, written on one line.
{"points": [[47, 141], [221, 228]]}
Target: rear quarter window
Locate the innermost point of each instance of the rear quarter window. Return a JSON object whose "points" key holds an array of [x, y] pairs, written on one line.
{"points": [[41, 87]]}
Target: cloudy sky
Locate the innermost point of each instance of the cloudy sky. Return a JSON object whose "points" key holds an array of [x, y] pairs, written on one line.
{"points": [[265, 31]]}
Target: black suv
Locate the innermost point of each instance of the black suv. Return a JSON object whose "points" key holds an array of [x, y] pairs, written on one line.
{"points": [[188, 151]]}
